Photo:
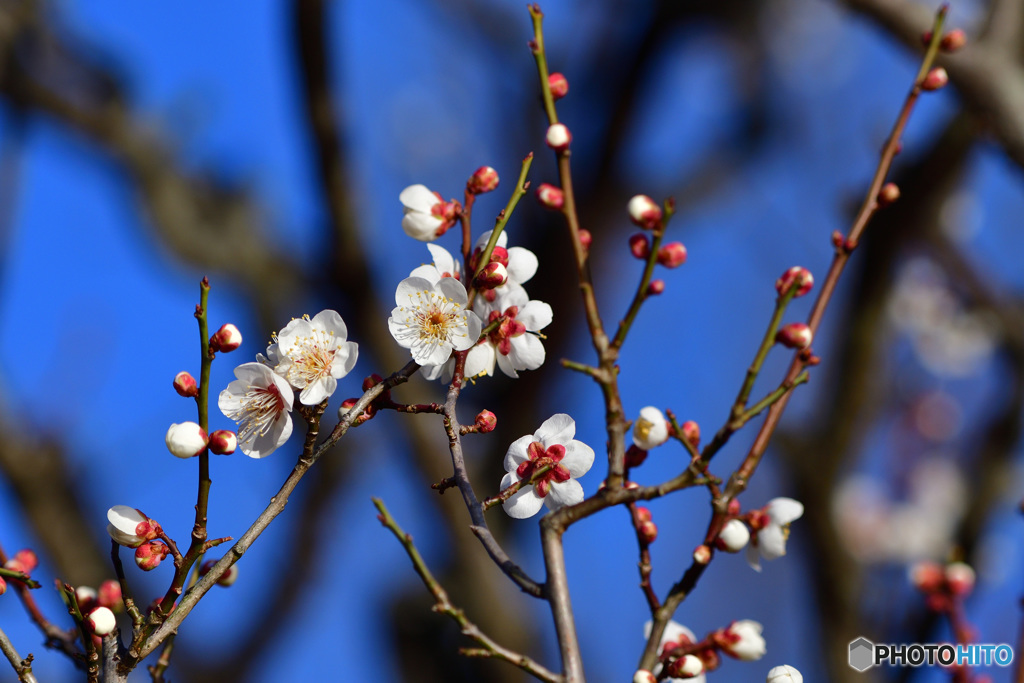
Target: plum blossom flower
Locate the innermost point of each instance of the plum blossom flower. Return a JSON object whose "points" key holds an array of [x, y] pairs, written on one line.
{"points": [[313, 355], [650, 429], [742, 640], [773, 530], [431, 319], [552, 445], [675, 635], [260, 401], [427, 216]]}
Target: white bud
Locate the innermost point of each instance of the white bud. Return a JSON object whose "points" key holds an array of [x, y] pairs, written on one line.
{"points": [[785, 674], [650, 429], [185, 440], [101, 620], [558, 136], [734, 536], [644, 676]]}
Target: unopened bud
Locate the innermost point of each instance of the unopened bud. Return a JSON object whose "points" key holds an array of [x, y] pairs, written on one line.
{"points": [[648, 532], [734, 536], [346, 405], [650, 429], [796, 276], [226, 579], [149, 555], [926, 577], [889, 193], [734, 507], [484, 179], [109, 595], [101, 621], [223, 442], [639, 246], [784, 674], [3, 586], [372, 381], [937, 78], [687, 666], [28, 559], [185, 385], [672, 255], [85, 596], [550, 196], [644, 212], [492, 275], [656, 287], [500, 255], [585, 239], [644, 676], [485, 422], [960, 578], [635, 456], [185, 440], [702, 554], [558, 86], [643, 514], [558, 137], [130, 527], [794, 336], [953, 41], [691, 432], [226, 339]]}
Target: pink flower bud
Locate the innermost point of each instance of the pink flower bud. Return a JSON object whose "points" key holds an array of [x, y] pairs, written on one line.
{"points": [[558, 137], [687, 666], [741, 640], [702, 554], [643, 514], [953, 41], [734, 536], [226, 579], [346, 405], [485, 422], [937, 78], [639, 246], [185, 385], [484, 179], [130, 527], [644, 212], [550, 197], [794, 336], [635, 456], [185, 440], [370, 382], [656, 287], [800, 277], [493, 275], [734, 507], [960, 578], [150, 554], [558, 86], [28, 559], [648, 532], [86, 597], [644, 676], [3, 586], [672, 255], [226, 339], [109, 595], [585, 239], [691, 432], [101, 621], [223, 442], [889, 193], [16, 566], [500, 255]]}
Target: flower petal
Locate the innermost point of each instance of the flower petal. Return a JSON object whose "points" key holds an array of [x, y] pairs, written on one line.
{"points": [[578, 458], [563, 493], [772, 542], [517, 453], [559, 428], [754, 557], [418, 198], [522, 264], [536, 315], [480, 360], [313, 393], [526, 353], [443, 260], [331, 321], [344, 359], [408, 291], [523, 503], [784, 510], [452, 289], [506, 365]]}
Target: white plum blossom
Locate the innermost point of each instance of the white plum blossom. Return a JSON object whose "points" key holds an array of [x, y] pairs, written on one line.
{"points": [[443, 265], [513, 344], [552, 445], [650, 429], [129, 527], [742, 640], [260, 401], [521, 267], [784, 674], [770, 541], [314, 354], [427, 216], [734, 536], [675, 635], [185, 440], [431, 319]]}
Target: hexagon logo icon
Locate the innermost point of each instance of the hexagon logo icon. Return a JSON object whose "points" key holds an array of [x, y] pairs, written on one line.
{"points": [[862, 654]]}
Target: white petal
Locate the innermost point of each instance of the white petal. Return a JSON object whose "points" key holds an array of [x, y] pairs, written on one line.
{"points": [[517, 453], [296, 327], [421, 226], [579, 458], [345, 359], [443, 260], [418, 198], [562, 493], [784, 510], [262, 446], [524, 503], [431, 353], [331, 321], [772, 542], [318, 391], [526, 352], [536, 315], [483, 239], [427, 272], [480, 360], [754, 557], [409, 289], [506, 365], [559, 428], [522, 264], [125, 518], [452, 289]]}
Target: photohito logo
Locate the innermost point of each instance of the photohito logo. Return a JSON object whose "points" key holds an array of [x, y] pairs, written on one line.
{"points": [[864, 654]]}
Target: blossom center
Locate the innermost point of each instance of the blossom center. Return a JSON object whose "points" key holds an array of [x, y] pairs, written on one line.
{"points": [[435, 318], [260, 407], [312, 357], [539, 459], [502, 335]]}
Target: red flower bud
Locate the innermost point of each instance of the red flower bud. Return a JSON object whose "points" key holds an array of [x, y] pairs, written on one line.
{"points": [[953, 41], [109, 595], [585, 239], [550, 196], [672, 255], [937, 78], [639, 246], [558, 86], [223, 442], [702, 554], [643, 514], [484, 179], [558, 137], [485, 422], [185, 385], [226, 339], [656, 287], [691, 432], [889, 193], [493, 275], [794, 336], [644, 212], [801, 277], [648, 532], [149, 555]]}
